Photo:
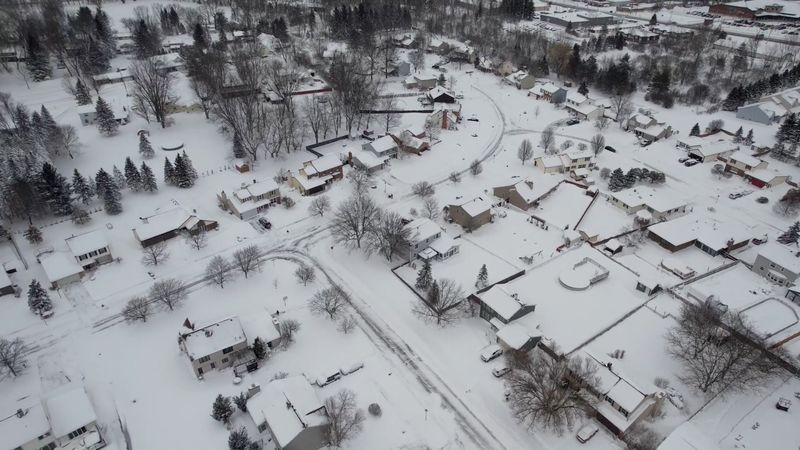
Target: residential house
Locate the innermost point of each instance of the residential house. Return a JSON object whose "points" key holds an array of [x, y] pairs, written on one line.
{"points": [[765, 177], [766, 112], [640, 36], [317, 174], [61, 269], [411, 144], [648, 127], [582, 19], [521, 79], [170, 62], [383, 147], [548, 92], [577, 159], [120, 107], [583, 108], [640, 120], [709, 235], [440, 95], [421, 81], [367, 161], [777, 263], [438, 46], [514, 336], [118, 76], [549, 164], [500, 306], [471, 214], [462, 53], [417, 131], [444, 118], [524, 194], [504, 68], [427, 241], [90, 249], [167, 224], [27, 428], [706, 149], [250, 199], [400, 69], [661, 203], [741, 161], [289, 410], [793, 294], [217, 345]]}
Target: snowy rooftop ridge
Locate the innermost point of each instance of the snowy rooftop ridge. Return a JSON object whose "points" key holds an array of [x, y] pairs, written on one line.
{"points": [[87, 242], [288, 406], [69, 409], [211, 338], [16, 431]]}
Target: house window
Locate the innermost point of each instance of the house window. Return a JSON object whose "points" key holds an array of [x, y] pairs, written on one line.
{"points": [[213, 365], [204, 359], [77, 433], [83, 257], [102, 250], [49, 446], [227, 350]]}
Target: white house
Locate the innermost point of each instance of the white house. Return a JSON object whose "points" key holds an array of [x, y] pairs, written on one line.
{"points": [[90, 249], [119, 106], [777, 263], [428, 241], [383, 147], [72, 419], [660, 203], [61, 269], [213, 346], [251, 199]]}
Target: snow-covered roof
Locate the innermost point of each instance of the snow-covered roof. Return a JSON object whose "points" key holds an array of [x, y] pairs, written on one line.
{"points": [[325, 163], [443, 244], [161, 223], [262, 187], [17, 431], [576, 155], [69, 410], [367, 159], [87, 242], [119, 106], [59, 265], [688, 437], [425, 77], [744, 158], [383, 144], [781, 255], [712, 233], [288, 406], [311, 183], [585, 108], [551, 161], [613, 245], [421, 229], [514, 335], [260, 325], [209, 339], [167, 60], [576, 97], [659, 200], [504, 302], [437, 91], [715, 148], [475, 207]]}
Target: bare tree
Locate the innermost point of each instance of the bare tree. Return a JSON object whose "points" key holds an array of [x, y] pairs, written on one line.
{"points": [[353, 90], [320, 205], [443, 307], [218, 271], [417, 59], [390, 235], [475, 167], [330, 301], [719, 351], [601, 123], [354, 220], [546, 392], [423, 189], [287, 329], [431, 209], [314, 112], [155, 254], [197, 240], [344, 417], [208, 73], [347, 324], [390, 118], [598, 143], [361, 180], [152, 87], [525, 151], [305, 274], [169, 292], [137, 308], [12, 356], [548, 139], [66, 140], [247, 259], [621, 105], [249, 118]]}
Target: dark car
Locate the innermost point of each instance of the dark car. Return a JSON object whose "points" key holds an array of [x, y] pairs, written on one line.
{"points": [[573, 122], [265, 223], [691, 162], [611, 149]]}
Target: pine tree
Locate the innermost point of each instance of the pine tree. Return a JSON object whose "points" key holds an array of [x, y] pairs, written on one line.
{"points": [[106, 123], [222, 409], [238, 439], [738, 136], [617, 180], [259, 349], [119, 178], [189, 168], [33, 235], [749, 139], [169, 172], [112, 199], [82, 95], [695, 130], [132, 176], [184, 174], [653, 20], [790, 236], [38, 299], [582, 89], [199, 36], [145, 149], [483, 278], [54, 190], [38, 60], [101, 182], [37, 129], [424, 276], [52, 132], [148, 179], [433, 294], [238, 150]]}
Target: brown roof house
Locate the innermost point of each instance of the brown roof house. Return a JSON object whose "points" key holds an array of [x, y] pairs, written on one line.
{"points": [[470, 214], [521, 194], [317, 174], [411, 144]]}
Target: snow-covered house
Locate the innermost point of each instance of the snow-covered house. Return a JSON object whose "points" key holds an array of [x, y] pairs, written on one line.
{"points": [[366, 161], [438, 46], [548, 92], [291, 412], [427, 241], [583, 108], [577, 159], [500, 306], [443, 118], [549, 164], [688, 437], [520, 79], [383, 147], [514, 336], [117, 76], [90, 249], [524, 194], [26, 428], [412, 144], [639, 120], [169, 62], [399, 69], [421, 81], [213, 346], [317, 174], [709, 235], [766, 112], [648, 127], [777, 263], [61, 269], [741, 161], [251, 199], [120, 107], [73, 422], [470, 214], [440, 95], [661, 203], [167, 224], [708, 148]]}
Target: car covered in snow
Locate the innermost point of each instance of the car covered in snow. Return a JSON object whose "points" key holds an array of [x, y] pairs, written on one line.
{"points": [[586, 432], [500, 371], [491, 352]]}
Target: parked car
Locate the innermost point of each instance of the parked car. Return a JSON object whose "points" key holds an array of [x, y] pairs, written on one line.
{"points": [[611, 149], [573, 122], [586, 432], [491, 352], [473, 119], [783, 404], [683, 159], [265, 223], [691, 163], [500, 371]]}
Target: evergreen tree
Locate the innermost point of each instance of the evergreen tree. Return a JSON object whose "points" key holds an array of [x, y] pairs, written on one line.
{"points": [[483, 278], [582, 89], [222, 410], [617, 180], [82, 189], [749, 139], [119, 178], [112, 199], [106, 123], [238, 439], [786, 129], [653, 20], [37, 129], [238, 150], [145, 149], [51, 131], [38, 299], [738, 136], [199, 37], [132, 176], [54, 190], [169, 172], [33, 235], [424, 276], [659, 89], [433, 293], [790, 236], [82, 95], [148, 179], [38, 60], [695, 130], [185, 175], [259, 349]]}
